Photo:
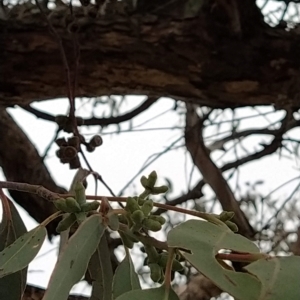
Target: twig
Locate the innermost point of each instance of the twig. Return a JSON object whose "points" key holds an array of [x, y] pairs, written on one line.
{"points": [[30, 188]]}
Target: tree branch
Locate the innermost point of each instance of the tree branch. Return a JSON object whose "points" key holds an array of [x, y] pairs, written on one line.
{"points": [[138, 54], [21, 162], [211, 174], [97, 121]]}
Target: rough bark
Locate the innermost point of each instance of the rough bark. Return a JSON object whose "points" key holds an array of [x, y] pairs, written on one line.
{"points": [[21, 162], [207, 59]]}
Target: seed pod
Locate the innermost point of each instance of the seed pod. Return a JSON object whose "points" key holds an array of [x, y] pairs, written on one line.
{"points": [[137, 217], [126, 241], [59, 153], [151, 225], [96, 141], [81, 139], [72, 205], [232, 226], [159, 190], [159, 219], [90, 148], [88, 206], [66, 222], [64, 160], [80, 193], [152, 179], [74, 163], [155, 272], [61, 204], [74, 142], [144, 182], [147, 207], [61, 142], [69, 152], [132, 205], [226, 215]]}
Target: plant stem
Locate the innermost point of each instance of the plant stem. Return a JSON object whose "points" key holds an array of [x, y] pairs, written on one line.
{"points": [[30, 188], [51, 218], [167, 282]]}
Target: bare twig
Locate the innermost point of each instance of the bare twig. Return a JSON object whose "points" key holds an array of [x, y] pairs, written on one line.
{"points": [[30, 188]]}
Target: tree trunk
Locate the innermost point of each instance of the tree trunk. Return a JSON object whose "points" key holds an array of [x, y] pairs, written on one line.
{"points": [[225, 56]]}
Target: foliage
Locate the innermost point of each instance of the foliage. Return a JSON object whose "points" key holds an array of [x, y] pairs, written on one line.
{"points": [[206, 245]]}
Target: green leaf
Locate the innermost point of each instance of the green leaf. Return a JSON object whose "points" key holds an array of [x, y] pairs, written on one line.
{"points": [[100, 271], [73, 260], [125, 279], [11, 228], [149, 294], [18, 255], [280, 277], [204, 240]]}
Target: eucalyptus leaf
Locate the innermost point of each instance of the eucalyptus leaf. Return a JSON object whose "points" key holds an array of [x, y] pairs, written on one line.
{"points": [[280, 277], [100, 271], [125, 278], [11, 227], [18, 255], [204, 240], [149, 294], [73, 260]]}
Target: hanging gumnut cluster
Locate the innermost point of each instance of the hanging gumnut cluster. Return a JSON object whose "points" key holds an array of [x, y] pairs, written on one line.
{"points": [[68, 151]]}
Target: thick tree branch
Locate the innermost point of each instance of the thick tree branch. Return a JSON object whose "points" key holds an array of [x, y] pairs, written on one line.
{"points": [[97, 121], [21, 162], [211, 174], [139, 53]]}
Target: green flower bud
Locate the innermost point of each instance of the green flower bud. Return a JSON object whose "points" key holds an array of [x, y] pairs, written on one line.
{"points": [[138, 217], [80, 193], [60, 204], [66, 222], [147, 207], [151, 225], [88, 206], [141, 201], [155, 272], [152, 179], [153, 256], [159, 219], [226, 215], [132, 205], [163, 260], [232, 226], [144, 182], [72, 205], [159, 190]]}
